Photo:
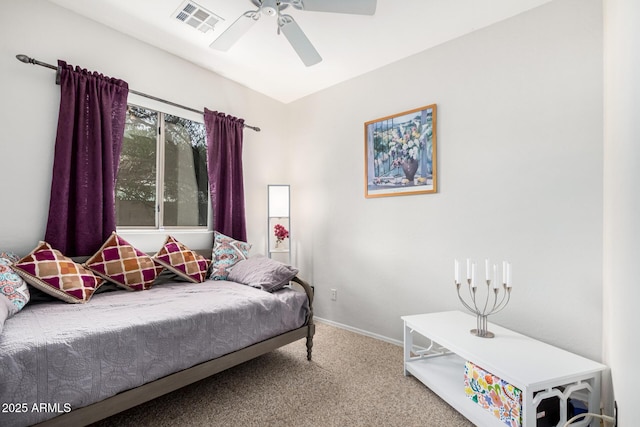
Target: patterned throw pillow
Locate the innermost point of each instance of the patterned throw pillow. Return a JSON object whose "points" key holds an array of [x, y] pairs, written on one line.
{"points": [[181, 260], [12, 285], [226, 253], [47, 269], [10, 256], [124, 265]]}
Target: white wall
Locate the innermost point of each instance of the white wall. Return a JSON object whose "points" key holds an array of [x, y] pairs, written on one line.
{"points": [[520, 178], [29, 113], [622, 200]]}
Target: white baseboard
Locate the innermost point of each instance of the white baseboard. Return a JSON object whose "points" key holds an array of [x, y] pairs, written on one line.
{"points": [[358, 331]]}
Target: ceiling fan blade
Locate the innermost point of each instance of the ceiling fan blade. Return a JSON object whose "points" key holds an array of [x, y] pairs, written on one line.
{"points": [[299, 41], [232, 34], [358, 7]]}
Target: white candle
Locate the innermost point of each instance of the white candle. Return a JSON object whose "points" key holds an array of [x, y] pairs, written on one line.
{"points": [[486, 269], [473, 274], [494, 277], [456, 267], [509, 274], [504, 272], [468, 269]]}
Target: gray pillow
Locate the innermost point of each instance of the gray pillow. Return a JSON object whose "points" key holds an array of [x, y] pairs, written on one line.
{"points": [[7, 309], [262, 273]]}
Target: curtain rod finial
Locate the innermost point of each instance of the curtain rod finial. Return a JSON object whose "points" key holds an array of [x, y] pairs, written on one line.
{"points": [[255, 128], [24, 58]]}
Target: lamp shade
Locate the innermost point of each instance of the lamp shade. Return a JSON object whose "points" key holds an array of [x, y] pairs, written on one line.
{"points": [[278, 201]]}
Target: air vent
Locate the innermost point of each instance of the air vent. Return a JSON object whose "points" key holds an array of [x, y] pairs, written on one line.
{"points": [[197, 16]]}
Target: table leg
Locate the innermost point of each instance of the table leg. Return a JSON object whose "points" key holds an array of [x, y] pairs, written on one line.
{"points": [[528, 410], [408, 344]]}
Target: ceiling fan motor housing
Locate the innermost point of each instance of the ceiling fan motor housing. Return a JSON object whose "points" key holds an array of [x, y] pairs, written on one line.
{"points": [[270, 7]]}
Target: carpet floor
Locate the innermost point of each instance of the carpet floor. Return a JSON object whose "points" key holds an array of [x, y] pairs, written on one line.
{"points": [[353, 380]]}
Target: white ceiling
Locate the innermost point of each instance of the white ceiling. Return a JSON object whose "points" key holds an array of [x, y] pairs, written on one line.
{"points": [[350, 45]]}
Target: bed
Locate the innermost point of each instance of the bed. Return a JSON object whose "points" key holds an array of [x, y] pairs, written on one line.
{"points": [[74, 364]]}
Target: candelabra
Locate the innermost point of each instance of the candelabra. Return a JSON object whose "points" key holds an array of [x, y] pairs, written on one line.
{"points": [[476, 305]]}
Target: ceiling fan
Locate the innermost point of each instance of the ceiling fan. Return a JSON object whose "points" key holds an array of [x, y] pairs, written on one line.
{"points": [[292, 31]]}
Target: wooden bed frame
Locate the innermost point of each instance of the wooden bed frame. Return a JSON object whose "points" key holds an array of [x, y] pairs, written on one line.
{"points": [[149, 391]]}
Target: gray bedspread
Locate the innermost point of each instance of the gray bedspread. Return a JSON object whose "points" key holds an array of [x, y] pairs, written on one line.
{"points": [[60, 356]]}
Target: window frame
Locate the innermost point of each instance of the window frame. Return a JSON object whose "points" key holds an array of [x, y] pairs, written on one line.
{"points": [[161, 110]]}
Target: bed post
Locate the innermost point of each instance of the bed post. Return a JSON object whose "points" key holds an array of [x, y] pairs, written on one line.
{"points": [[311, 328], [310, 331]]}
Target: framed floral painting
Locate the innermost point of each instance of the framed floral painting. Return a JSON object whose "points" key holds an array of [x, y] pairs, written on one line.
{"points": [[400, 154]]}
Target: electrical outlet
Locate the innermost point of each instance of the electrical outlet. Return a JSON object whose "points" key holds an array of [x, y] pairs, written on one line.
{"points": [[334, 294]]}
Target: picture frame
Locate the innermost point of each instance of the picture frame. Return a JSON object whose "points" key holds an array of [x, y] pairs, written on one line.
{"points": [[400, 154]]}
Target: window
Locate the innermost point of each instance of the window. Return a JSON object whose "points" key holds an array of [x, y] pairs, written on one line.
{"points": [[164, 158]]}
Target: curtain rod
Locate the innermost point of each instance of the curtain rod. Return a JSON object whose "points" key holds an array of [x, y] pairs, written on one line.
{"points": [[28, 60]]}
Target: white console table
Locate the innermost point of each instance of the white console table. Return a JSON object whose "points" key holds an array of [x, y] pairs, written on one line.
{"points": [[536, 368]]}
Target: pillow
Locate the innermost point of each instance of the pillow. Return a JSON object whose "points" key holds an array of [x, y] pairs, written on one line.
{"points": [[12, 285], [10, 256], [124, 265], [182, 261], [47, 269], [7, 309], [262, 273], [226, 253]]}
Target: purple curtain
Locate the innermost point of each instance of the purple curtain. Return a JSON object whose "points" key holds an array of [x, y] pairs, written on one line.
{"points": [[224, 162], [87, 152]]}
